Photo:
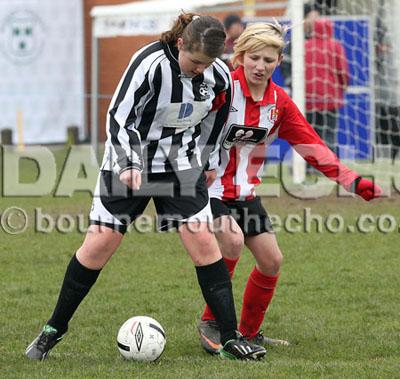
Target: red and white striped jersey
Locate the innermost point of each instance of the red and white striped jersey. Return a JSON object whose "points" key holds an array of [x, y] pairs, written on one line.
{"points": [[243, 150]]}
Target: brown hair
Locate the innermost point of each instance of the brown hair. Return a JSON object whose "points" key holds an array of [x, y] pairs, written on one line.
{"points": [[199, 33], [257, 36]]}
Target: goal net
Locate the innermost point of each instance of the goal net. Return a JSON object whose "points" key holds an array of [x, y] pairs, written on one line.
{"points": [[348, 85]]}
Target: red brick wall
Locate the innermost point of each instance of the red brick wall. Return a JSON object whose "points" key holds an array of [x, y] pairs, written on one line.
{"points": [[114, 55]]}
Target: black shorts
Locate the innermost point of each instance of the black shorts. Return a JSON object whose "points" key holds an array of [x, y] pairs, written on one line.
{"points": [[177, 197], [250, 215]]}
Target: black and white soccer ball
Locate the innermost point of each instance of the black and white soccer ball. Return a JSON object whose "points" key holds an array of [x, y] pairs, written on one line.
{"points": [[141, 338]]}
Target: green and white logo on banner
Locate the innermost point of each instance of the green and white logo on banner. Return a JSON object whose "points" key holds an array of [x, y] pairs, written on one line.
{"points": [[22, 36]]}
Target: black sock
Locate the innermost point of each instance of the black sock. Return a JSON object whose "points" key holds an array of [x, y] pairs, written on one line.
{"points": [[78, 280], [216, 287]]}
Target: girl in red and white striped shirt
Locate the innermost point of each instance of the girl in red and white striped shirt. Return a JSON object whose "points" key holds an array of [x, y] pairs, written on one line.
{"points": [[261, 111]]}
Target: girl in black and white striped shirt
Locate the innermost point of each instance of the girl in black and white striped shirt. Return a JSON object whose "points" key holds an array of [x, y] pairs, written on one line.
{"points": [[164, 125]]}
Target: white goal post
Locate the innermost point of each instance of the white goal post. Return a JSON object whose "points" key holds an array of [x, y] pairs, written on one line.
{"points": [[369, 121], [298, 88]]}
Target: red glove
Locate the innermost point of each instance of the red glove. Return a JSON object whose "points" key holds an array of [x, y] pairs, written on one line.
{"points": [[366, 189]]}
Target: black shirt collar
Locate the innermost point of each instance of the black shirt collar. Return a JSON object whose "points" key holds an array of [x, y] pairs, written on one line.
{"points": [[172, 53]]}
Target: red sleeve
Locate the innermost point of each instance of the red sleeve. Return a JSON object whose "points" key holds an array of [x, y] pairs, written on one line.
{"points": [[295, 129], [218, 101]]}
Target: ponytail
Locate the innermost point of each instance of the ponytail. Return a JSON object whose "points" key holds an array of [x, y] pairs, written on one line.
{"points": [[199, 33], [180, 24]]}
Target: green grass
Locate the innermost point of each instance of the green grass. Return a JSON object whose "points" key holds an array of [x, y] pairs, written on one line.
{"points": [[337, 299]]}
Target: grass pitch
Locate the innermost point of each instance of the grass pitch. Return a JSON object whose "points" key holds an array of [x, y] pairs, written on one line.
{"points": [[337, 301]]}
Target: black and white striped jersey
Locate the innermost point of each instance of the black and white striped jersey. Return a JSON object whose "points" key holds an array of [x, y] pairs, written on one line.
{"points": [[161, 121]]}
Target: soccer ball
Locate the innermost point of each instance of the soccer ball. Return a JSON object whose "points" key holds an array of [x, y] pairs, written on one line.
{"points": [[141, 338]]}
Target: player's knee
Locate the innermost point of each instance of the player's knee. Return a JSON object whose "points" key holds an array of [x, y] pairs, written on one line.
{"points": [[271, 264], [204, 250], [93, 249], [237, 244], [233, 246], [276, 262], [205, 242]]}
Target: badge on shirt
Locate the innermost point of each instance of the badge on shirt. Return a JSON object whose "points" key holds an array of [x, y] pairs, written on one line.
{"points": [[244, 135], [204, 92], [272, 112]]}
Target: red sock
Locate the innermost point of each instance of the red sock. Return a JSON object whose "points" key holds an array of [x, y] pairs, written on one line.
{"points": [[259, 291], [231, 264]]}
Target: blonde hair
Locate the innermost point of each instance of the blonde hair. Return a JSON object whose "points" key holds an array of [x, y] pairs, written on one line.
{"points": [[257, 36]]}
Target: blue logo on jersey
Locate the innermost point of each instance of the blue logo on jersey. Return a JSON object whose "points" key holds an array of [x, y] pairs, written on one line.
{"points": [[185, 110]]}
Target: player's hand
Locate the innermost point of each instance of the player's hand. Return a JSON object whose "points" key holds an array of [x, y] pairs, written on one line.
{"points": [[211, 175], [132, 178], [367, 189]]}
